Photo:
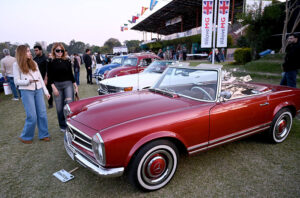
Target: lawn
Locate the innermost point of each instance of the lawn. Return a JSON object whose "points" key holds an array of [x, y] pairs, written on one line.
{"points": [[246, 168]]}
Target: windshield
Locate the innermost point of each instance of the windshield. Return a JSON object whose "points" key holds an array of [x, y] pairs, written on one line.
{"points": [[131, 61], [192, 83], [157, 67], [117, 60]]}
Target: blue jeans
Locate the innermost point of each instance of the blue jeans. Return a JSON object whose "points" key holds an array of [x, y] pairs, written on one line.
{"points": [[10, 80], [289, 78], [36, 113], [66, 95], [76, 76]]}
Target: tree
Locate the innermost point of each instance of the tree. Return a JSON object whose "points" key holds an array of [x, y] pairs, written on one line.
{"points": [[76, 47], [133, 45], [111, 43], [292, 20], [7, 45]]}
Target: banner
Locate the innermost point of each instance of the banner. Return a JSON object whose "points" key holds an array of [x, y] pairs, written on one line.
{"points": [[207, 23], [143, 10], [223, 23]]}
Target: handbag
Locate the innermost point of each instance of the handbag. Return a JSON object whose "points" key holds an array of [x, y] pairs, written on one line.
{"points": [[7, 89]]}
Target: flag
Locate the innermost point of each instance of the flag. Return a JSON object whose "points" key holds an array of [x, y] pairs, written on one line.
{"points": [[130, 21], [152, 4], [122, 29], [133, 19], [143, 10], [223, 23], [125, 24], [125, 28], [138, 15], [207, 19]]}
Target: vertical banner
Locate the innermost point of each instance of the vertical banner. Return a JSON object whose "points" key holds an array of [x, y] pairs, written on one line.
{"points": [[207, 20], [223, 23]]}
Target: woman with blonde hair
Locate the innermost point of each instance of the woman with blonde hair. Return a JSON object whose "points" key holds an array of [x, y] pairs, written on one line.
{"points": [[61, 79], [31, 84]]}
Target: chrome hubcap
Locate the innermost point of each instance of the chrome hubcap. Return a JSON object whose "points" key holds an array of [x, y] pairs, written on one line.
{"points": [[157, 167], [282, 126]]}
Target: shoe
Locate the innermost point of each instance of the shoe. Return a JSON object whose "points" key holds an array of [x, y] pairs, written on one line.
{"points": [[16, 99], [46, 139], [63, 130], [50, 106], [25, 141]]}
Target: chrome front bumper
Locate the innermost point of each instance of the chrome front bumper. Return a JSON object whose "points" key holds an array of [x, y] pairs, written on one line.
{"points": [[82, 159]]}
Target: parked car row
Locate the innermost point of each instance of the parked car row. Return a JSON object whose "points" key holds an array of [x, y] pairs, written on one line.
{"points": [[187, 110], [124, 65], [133, 82]]}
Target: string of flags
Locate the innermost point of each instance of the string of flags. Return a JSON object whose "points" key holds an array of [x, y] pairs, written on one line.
{"points": [[138, 15]]}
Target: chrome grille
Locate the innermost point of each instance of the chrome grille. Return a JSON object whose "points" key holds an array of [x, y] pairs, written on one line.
{"points": [[108, 88], [79, 138]]}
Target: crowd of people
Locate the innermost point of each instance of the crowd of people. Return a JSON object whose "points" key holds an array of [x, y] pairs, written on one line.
{"points": [[55, 76], [179, 54]]}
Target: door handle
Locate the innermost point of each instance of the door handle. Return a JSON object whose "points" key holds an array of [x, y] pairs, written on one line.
{"points": [[265, 104]]}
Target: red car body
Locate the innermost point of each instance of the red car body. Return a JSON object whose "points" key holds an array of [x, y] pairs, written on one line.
{"points": [[141, 63], [129, 122]]}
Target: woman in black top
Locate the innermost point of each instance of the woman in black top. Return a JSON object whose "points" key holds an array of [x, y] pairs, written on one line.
{"points": [[61, 79]]}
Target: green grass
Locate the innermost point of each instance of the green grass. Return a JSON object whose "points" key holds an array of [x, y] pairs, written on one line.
{"points": [[245, 168], [264, 66]]}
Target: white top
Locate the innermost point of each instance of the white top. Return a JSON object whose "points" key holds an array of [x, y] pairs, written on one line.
{"points": [[23, 80]]}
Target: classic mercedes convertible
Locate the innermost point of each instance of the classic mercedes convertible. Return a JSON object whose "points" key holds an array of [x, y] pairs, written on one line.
{"points": [[188, 110]]}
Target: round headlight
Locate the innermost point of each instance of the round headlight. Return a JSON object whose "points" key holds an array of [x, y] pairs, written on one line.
{"points": [[98, 149]]}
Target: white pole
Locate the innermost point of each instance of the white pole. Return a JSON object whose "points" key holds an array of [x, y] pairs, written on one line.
{"points": [[214, 36]]}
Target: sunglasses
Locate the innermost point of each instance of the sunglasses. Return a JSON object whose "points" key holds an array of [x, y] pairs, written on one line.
{"points": [[58, 50]]}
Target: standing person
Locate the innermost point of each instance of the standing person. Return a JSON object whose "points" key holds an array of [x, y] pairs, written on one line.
{"points": [[291, 62], [160, 54], [61, 79], [88, 65], [42, 62], [28, 77], [184, 53], [7, 71], [76, 67]]}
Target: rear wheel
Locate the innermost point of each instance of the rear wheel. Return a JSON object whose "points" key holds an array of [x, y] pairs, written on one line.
{"points": [[281, 126], [154, 165]]}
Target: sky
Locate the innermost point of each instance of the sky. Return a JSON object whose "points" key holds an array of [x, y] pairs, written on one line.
{"points": [[89, 21]]}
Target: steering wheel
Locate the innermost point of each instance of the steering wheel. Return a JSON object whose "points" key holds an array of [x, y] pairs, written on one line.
{"points": [[203, 91]]}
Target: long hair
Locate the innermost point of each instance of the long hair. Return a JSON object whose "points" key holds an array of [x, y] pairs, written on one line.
{"points": [[55, 45], [23, 61]]}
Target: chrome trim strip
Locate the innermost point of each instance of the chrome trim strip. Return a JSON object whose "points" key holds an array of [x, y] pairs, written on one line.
{"points": [[70, 125], [238, 133], [211, 146], [83, 146], [197, 146], [249, 95], [99, 170]]}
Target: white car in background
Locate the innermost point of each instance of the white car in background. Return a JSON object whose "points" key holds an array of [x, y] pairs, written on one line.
{"points": [[133, 82]]}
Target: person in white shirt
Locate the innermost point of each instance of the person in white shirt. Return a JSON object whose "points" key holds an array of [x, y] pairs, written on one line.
{"points": [[7, 71], [31, 85]]}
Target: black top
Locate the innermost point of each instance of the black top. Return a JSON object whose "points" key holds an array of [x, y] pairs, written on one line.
{"points": [[87, 60], [42, 63], [60, 70], [292, 57]]}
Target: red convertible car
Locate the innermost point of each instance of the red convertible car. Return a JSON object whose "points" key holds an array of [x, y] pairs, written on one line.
{"points": [[188, 110]]}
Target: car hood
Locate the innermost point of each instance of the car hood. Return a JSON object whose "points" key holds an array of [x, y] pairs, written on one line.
{"points": [[117, 109], [143, 79], [107, 67]]}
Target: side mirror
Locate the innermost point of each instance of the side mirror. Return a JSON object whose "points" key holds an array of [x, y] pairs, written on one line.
{"points": [[225, 95]]}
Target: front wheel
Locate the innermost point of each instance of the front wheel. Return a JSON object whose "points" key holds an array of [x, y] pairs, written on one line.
{"points": [[154, 165], [281, 126]]}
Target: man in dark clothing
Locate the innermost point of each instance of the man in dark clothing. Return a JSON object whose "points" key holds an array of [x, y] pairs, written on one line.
{"points": [[88, 65], [42, 62], [291, 62]]}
